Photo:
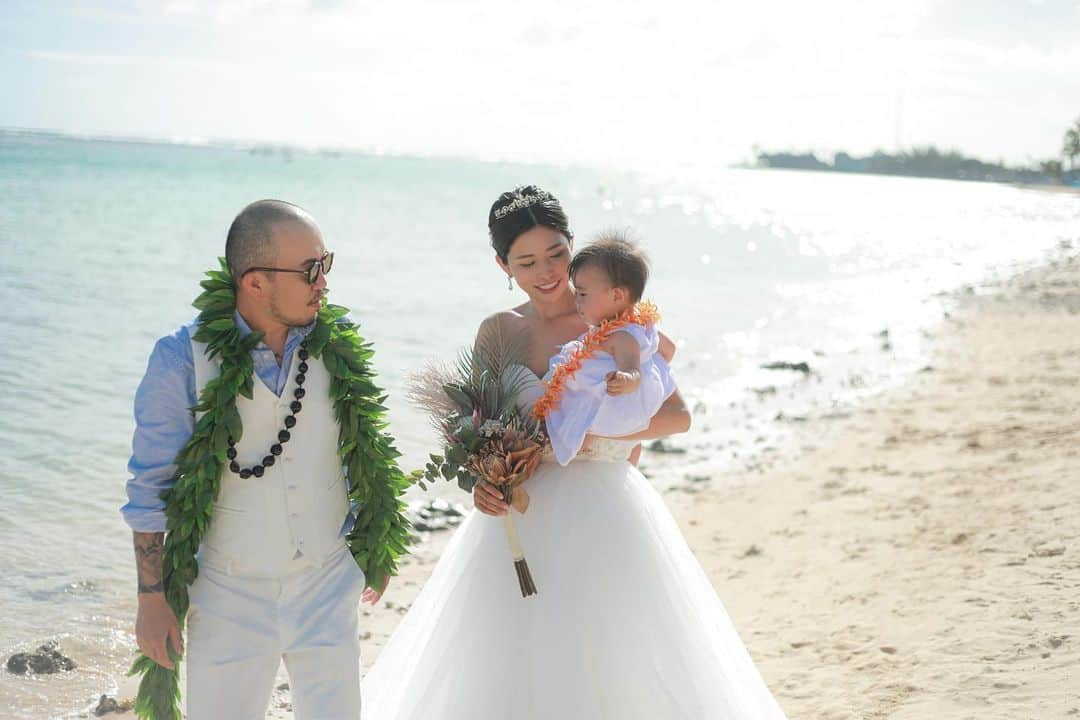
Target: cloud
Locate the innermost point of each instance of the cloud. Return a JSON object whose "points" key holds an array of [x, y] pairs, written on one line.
{"points": [[609, 81], [135, 61]]}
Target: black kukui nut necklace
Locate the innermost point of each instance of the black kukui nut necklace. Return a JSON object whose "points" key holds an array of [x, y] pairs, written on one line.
{"points": [[283, 436]]}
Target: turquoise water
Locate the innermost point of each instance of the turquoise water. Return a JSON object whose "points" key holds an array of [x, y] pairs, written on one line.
{"points": [[103, 245]]}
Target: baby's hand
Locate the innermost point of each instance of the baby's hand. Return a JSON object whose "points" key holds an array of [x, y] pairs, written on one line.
{"points": [[621, 382]]}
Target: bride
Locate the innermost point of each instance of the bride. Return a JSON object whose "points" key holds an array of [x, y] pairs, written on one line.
{"points": [[625, 625]]}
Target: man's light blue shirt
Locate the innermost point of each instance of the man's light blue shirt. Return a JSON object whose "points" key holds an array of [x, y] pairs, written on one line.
{"points": [[164, 421]]}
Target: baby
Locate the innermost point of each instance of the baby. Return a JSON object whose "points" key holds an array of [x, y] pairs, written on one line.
{"points": [[613, 379]]}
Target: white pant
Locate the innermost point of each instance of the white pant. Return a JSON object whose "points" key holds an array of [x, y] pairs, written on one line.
{"points": [[239, 629]]}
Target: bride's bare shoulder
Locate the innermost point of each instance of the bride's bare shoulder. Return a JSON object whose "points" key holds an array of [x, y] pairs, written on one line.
{"points": [[513, 319]]}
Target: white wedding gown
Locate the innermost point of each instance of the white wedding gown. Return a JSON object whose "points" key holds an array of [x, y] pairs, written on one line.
{"points": [[625, 625]]}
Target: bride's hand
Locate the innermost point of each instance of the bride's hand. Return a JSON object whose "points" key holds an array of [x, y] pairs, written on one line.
{"points": [[488, 499]]}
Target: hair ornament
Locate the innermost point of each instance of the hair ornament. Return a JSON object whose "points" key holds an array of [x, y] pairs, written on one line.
{"points": [[521, 203]]}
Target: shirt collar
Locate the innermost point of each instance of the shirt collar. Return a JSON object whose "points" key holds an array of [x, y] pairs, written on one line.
{"points": [[294, 332]]}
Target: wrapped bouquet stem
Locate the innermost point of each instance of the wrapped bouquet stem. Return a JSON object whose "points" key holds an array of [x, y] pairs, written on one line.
{"points": [[525, 578]]}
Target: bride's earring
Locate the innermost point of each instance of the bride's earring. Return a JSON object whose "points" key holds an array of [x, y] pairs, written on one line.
{"points": [[509, 282]]}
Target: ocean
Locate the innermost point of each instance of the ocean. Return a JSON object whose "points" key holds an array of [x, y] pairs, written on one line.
{"points": [[103, 244]]}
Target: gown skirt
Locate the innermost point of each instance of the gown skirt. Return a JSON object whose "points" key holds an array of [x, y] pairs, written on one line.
{"points": [[625, 625]]}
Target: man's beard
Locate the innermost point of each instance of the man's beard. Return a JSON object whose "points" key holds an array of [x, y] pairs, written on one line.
{"points": [[287, 321]]}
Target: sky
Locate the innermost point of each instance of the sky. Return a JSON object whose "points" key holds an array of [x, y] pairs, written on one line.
{"points": [[622, 82]]}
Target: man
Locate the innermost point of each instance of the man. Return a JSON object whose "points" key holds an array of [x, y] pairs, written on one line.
{"points": [[275, 577]]}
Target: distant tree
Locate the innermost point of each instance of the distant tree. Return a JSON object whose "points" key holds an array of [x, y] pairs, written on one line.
{"points": [[1051, 168], [1071, 147], [792, 161], [925, 161]]}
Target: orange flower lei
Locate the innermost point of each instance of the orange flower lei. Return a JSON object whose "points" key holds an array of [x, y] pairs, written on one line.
{"points": [[642, 313]]}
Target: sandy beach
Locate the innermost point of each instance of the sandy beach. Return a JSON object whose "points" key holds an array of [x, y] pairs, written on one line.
{"points": [[915, 556], [921, 561]]}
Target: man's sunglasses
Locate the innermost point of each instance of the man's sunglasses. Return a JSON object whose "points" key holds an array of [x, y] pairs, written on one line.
{"points": [[320, 266]]}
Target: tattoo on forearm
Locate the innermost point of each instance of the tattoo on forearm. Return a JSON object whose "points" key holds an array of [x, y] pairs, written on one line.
{"points": [[148, 550]]}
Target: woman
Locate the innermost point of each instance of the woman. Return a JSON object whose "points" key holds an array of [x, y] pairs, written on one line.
{"points": [[625, 624]]}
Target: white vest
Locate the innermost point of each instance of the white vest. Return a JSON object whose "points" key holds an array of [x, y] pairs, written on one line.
{"points": [[290, 518]]}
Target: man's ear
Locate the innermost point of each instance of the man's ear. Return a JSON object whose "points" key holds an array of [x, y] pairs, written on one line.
{"points": [[254, 284], [619, 295]]}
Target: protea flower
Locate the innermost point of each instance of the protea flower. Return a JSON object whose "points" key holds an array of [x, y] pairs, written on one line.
{"points": [[509, 460]]}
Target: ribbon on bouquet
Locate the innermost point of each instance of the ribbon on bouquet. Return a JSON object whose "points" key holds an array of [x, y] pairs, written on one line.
{"points": [[519, 499]]}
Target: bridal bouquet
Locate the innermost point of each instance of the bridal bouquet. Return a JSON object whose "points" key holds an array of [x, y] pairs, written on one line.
{"points": [[486, 436]]}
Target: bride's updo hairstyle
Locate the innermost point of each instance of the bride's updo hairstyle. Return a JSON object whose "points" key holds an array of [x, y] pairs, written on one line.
{"points": [[519, 211]]}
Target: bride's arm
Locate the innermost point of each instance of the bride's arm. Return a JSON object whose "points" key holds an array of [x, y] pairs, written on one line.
{"points": [[671, 419]]}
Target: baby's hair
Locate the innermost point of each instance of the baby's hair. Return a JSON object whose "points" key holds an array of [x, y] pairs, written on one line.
{"points": [[619, 257]]}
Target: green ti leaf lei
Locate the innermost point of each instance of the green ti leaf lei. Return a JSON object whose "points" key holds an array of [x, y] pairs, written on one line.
{"points": [[381, 532]]}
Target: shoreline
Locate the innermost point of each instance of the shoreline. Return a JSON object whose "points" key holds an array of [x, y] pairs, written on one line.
{"points": [[867, 567]]}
